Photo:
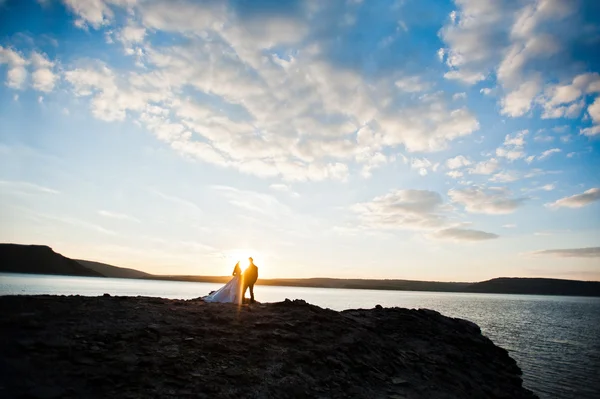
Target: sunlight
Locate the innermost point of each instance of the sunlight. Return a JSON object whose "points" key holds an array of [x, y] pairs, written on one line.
{"points": [[242, 255]]}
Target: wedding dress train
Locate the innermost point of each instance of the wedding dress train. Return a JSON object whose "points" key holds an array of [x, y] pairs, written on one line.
{"points": [[229, 293]]}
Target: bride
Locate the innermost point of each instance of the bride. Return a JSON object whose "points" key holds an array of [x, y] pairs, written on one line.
{"points": [[230, 292]]}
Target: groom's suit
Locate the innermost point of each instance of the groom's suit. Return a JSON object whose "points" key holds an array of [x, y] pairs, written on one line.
{"points": [[250, 276]]}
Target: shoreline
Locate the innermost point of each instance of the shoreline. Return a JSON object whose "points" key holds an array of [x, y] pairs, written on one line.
{"points": [[283, 283], [75, 346]]}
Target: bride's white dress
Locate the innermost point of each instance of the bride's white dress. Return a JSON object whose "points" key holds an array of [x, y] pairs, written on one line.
{"points": [[229, 293]]}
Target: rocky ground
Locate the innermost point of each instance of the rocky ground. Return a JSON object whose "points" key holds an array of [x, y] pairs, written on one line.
{"points": [[137, 347]]}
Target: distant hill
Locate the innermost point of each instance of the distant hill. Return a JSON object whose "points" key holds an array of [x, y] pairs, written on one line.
{"points": [[536, 286], [371, 284], [366, 284], [113, 271], [40, 259]]}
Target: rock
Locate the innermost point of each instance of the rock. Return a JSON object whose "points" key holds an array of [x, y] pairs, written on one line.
{"points": [[85, 361], [45, 392], [148, 347], [106, 295]]}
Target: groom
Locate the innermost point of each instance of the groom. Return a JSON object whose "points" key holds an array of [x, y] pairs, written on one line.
{"points": [[249, 277]]}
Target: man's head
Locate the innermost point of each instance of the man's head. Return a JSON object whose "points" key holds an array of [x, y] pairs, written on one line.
{"points": [[251, 260]]}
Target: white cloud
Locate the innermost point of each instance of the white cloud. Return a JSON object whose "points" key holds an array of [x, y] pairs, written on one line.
{"points": [[549, 152], [459, 96], [518, 139], [492, 201], [132, 34], [509, 226], [518, 102], [441, 53], [548, 187], [486, 91], [472, 38], [512, 148], [370, 162], [412, 84], [457, 162], [485, 167], [505, 177], [403, 209], [17, 74], [465, 76], [461, 234], [300, 114], [423, 165], [43, 77], [511, 155], [93, 12], [577, 200], [43, 80], [590, 131], [566, 100], [515, 40], [455, 174], [590, 252], [594, 110]]}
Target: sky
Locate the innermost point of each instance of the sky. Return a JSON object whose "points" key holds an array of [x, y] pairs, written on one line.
{"points": [[432, 140]]}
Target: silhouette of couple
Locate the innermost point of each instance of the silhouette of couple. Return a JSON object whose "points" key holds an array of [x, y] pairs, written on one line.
{"points": [[235, 290]]}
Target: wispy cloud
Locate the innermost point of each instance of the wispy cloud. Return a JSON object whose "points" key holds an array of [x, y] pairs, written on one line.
{"points": [[494, 201], [461, 234], [119, 216], [178, 201], [403, 209], [21, 187], [590, 252], [74, 222], [577, 200], [252, 200], [549, 152]]}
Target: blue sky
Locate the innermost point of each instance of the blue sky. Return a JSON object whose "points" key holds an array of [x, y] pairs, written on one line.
{"points": [[436, 140]]}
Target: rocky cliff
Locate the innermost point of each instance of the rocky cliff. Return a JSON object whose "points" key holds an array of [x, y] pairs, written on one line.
{"points": [[137, 347]]}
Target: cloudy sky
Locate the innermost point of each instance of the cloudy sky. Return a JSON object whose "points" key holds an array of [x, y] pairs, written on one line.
{"points": [[436, 140]]}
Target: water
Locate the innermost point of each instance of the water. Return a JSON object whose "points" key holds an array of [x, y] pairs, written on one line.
{"points": [[555, 340]]}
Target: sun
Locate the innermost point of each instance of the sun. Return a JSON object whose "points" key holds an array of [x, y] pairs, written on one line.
{"points": [[242, 255]]}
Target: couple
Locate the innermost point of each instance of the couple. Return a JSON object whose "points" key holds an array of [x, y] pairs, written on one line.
{"points": [[235, 290]]}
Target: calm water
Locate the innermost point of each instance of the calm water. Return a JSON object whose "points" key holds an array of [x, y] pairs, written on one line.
{"points": [[555, 340]]}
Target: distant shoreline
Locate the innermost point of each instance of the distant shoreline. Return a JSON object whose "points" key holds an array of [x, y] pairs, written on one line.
{"points": [[41, 259], [337, 284]]}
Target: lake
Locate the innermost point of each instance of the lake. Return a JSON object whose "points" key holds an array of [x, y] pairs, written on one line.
{"points": [[554, 339]]}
